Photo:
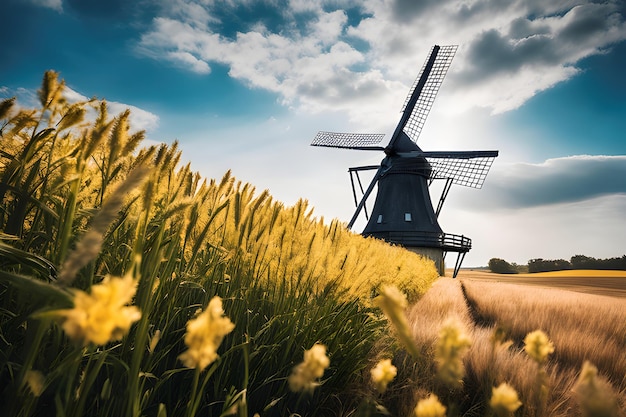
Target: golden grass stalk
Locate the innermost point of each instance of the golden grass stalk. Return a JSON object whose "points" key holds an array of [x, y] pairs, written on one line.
{"points": [[88, 247]]}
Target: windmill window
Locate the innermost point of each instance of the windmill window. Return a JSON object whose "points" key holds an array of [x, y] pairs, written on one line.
{"points": [[407, 217], [380, 219]]}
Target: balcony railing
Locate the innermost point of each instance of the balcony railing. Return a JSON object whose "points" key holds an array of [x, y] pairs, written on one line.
{"points": [[446, 241]]}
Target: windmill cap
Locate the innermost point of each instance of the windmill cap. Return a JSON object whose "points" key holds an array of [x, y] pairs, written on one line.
{"points": [[402, 144]]}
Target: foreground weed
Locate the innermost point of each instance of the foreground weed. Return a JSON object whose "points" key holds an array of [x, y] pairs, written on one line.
{"points": [[102, 316], [596, 397], [304, 376], [504, 400], [430, 407], [452, 344]]}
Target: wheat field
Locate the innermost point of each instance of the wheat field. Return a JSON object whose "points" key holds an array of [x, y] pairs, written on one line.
{"points": [[582, 325], [130, 285], [598, 282]]}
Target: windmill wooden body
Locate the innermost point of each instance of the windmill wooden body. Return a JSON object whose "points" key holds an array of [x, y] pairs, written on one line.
{"points": [[403, 212]]}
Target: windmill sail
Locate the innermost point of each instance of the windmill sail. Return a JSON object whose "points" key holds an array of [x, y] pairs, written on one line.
{"points": [[469, 171], [466, 168], [360, 141], [424, 90]]}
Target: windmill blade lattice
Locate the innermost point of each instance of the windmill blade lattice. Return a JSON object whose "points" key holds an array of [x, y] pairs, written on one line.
{"points": [[468, 172], [348, 140], [414, 124]]}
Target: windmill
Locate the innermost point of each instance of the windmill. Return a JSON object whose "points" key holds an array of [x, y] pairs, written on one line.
{"points": [[403, 212]]}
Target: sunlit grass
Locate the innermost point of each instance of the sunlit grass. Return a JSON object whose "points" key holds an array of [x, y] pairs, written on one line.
{"points": [[130, 285], [498, 318], [81, 200]]}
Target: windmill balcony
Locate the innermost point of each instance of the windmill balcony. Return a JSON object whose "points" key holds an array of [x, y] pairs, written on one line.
{"points": [[446, 241]]}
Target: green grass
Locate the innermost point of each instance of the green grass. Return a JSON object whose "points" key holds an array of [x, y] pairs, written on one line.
{"points": [[80, 199]]}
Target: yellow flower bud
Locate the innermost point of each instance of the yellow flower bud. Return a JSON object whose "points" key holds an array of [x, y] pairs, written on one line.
{"points": [[596, 397], [504, 400], [382, 374], [303, 376], [452, 344], [204, 335], [393, 303], [101, 317], [35, 381], [538, 346], [430, 407]]}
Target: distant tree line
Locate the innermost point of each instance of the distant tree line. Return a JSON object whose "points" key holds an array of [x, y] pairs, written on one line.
{"points": [[501, 266]]}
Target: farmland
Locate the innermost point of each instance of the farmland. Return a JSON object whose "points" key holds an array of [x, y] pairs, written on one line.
{"points": [[129, 285], [610, 283], [498, 311], [582, 312]]}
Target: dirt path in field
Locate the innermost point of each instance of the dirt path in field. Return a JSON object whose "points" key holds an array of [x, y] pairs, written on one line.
{"points": [[609, 283]]}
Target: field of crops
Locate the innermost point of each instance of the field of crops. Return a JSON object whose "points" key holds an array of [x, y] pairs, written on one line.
{"points": [[498, 315], [130, 286], [611, 283]]}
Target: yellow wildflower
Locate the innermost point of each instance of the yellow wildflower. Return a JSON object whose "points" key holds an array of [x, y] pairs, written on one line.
{"points": [[393, 303], [596, 397], [538, 346], [101, 317], [504, 400], [430, 407], [204, 335], [449, 351], [303, 376], [382, 374], [35, 381]]}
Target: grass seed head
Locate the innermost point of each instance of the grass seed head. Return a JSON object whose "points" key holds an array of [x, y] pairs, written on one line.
{"points": [[538, 346], [430, 407], [204, 335], [382, 374], [102, 316], [304, 375], [504, 400]]}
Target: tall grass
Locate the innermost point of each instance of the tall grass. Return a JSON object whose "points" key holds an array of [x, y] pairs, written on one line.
{"points": [[583, 326], [81, 200], [81, 203], [497, 317]]}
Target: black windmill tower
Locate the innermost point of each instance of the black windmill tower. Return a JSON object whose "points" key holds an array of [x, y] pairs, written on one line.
{"points": [[403, 213]]}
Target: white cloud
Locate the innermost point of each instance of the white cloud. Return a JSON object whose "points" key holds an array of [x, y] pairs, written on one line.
{"points": [[508, 51], [73, 96], [139, 119], [329, 27], [189, 61]]}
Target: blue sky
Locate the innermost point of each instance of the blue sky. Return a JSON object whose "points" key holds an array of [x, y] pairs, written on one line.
{"points": [[245, 85]]}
